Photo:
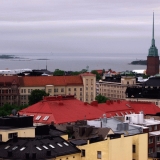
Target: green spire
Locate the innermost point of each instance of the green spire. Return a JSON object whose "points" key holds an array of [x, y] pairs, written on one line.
{"points": [[153, 51]]}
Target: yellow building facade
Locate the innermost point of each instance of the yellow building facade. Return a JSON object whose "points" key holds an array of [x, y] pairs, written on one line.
{"points": [[124, 148]]}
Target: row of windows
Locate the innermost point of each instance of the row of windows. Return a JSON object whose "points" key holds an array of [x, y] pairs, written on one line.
{"points": [[9, 91], [88, 81], [99, 154], [8, 97], [153, 128]]}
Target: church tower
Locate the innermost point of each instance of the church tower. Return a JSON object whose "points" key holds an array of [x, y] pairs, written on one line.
{"points": [[153, 58]]}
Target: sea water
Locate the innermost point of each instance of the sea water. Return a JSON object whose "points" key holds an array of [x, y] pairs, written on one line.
{"points": [[71, 62]]}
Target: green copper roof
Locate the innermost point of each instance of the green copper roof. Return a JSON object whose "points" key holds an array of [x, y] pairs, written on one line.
{"points": [[153, 51]]}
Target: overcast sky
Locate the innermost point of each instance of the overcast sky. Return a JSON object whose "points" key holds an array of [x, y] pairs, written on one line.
{"points": [[78, 26]]}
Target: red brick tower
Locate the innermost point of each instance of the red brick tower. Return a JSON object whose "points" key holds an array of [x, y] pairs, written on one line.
{"points": [[153, 58]]}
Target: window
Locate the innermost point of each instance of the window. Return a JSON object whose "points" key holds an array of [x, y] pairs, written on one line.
{"points": [[150, 150], [99, 155], [91, 81], [150, 128], [134, 148], [87, 81], [0, 138], [86, 88], [45, 118], [158, 148], [21, 90], [38, 118], [56, 90], [69, 89], [150, 140], [62, 89], [155, 127], [23, 148], [80, 89], [29, 91], [74, 89], [158, 139], [127, 82], [49, 90], [83, 153], [51, 146], [24, 90], [11, 135], [59, 144]]}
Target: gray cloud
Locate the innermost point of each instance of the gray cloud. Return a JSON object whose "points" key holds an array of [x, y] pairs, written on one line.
{"points": [[78, 26]]}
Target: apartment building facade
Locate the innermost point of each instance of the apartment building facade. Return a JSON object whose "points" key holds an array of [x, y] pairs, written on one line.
{"points": [[115, 90], [9, 90], [82, 86]]}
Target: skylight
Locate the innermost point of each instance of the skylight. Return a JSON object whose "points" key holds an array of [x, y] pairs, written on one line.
{"points": [[51, 146], [23, 148], [45, 118], [39, 148], [66, 143], [6, 147], [38, 117], [14, 148], [59, 144], [45, 147], [122, 114]]}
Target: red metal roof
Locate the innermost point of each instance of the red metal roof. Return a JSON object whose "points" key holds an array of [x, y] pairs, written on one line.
{"points": [[146, 107], [34, 81], [68, 109], [62, 111]]}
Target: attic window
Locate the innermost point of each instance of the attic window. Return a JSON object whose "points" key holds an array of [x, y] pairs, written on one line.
{"points": [[117, 114], [59, 144], [39, 148], [23, 148], [14, 148], [38, 117], [6, 147], [45, 118], [51, 146], [45, 147], [66, 143], [122, 114]]}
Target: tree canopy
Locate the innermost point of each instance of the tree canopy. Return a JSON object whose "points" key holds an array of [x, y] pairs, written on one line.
{"points": [[36, 96], [98, 77], [101, 99], [6, 109]]}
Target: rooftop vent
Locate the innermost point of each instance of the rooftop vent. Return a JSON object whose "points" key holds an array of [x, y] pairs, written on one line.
{"points": [[48, 153], [27, 155]]}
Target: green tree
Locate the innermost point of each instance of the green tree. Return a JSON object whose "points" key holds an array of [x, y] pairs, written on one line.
{"points": [[6, 109], [36, 96], [58, 72], [98, 77], [101, 99]]}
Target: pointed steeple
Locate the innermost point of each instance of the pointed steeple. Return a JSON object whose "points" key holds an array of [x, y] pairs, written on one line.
{"points": [[153, 41], [153, 51]]}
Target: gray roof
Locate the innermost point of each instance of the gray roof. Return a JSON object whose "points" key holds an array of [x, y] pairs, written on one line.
{"points": [[123, 128]]}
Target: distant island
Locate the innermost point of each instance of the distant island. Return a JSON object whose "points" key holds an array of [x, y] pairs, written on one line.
{"points": [[139, 62], [3, 56]]}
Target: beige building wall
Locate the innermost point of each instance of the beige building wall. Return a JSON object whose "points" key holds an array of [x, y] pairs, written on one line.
{"points": [[76, 156], [19, 132], [117, 149], [78, 91], [89, 82], [114, 90]]}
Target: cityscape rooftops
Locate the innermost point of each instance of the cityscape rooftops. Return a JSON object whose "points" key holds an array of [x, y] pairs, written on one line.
{"points": [[36, 148]]}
